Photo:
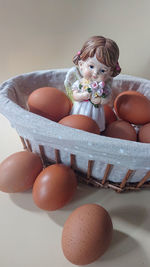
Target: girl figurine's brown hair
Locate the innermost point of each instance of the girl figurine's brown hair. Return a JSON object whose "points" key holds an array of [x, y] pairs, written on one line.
{"points": [[90, 81], [105, 49]]}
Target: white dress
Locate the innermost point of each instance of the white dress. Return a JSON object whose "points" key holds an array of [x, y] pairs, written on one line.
{"points": [[73, 79]]}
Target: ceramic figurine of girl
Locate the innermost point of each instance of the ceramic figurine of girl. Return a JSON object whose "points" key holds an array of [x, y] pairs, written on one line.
{"points": [[89, 83]]}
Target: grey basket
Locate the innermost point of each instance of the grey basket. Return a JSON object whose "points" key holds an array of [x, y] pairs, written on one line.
{"points": [[98, 160]]}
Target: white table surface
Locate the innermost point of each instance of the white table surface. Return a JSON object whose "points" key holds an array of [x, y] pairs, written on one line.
{"points": [[30, 237]]}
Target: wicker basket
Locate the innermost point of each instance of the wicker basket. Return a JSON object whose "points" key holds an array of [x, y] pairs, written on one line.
{"points": [[98, 160]]}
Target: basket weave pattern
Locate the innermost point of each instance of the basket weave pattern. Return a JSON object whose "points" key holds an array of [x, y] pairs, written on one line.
{"points": [[88, 179], [98, 160]]}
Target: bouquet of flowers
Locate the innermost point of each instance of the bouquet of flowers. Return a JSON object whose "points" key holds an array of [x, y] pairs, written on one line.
{"points": [[98, 90]]}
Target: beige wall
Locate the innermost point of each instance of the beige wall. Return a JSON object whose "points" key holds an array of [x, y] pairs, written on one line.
{"points": [[43, 34]]}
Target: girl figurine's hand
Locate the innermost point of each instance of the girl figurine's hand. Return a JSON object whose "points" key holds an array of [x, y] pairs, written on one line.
{"points": [[85, 96], [78, 96]]}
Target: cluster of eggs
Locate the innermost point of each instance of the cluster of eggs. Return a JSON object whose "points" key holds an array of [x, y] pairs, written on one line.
{"points": [[129, 119], [132, 121], [53, 104], [22, 170], [87, 232]]}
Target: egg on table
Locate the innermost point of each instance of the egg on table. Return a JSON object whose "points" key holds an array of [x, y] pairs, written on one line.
{"points": [[19, 171], [54, 187], [87, 234]]}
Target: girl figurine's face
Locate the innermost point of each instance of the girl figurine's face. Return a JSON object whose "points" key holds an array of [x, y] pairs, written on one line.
{"points": [[91, 69]]}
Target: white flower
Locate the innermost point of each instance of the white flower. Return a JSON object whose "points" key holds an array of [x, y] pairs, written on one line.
{"points": [[100, 92], [102, 84]]}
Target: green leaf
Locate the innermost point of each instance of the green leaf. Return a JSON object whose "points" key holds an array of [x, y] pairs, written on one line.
{"points": [[89, 90], [103, 95]]}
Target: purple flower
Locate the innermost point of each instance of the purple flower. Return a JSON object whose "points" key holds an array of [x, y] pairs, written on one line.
{"points": [[106, 91], [100, 92]]}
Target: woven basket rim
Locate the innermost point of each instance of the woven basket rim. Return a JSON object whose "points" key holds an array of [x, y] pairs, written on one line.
{"points": [[74, 134]]}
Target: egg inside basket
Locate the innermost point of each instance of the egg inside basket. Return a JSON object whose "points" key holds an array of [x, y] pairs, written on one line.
{"points": [[98, 160]]}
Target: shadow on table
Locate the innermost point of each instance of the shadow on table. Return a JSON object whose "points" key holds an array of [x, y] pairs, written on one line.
{"points": [[121, 244], [132, 214], [124, 250], [24, 200]]}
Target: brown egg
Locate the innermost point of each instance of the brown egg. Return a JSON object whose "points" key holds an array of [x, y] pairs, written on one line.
{"points": [[19, 171], [54, 187], [110, 115], [121, 129], [81, 122], [50, 103], [133, 107], [87, 234], [144, 133]]}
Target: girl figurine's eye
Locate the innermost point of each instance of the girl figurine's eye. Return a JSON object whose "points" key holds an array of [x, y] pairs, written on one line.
{"points": [[91, 67], [102, 71]]}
